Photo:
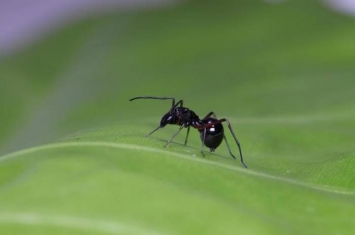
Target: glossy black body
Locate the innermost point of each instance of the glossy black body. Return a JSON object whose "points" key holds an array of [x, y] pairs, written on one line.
{"points": [[180, 116], [210, 128], [214, 134]]}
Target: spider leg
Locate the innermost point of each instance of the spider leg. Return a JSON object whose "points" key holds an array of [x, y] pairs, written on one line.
{"points": [[179, 103], [168, 142], [155, 98], [203, 141], [232, 132], [153, 131], [173, 106], [229, 149], [235, 139], [187, 134], [210, 114]]}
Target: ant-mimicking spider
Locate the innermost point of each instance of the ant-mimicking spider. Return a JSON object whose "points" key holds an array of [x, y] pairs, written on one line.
{"points": [[210, 128]]}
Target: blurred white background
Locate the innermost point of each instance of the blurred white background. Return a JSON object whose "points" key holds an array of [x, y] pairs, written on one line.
{"points": [[23, 21]]}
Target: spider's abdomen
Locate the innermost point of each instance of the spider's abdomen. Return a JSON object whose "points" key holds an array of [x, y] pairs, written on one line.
{"points": [[214, 134]]}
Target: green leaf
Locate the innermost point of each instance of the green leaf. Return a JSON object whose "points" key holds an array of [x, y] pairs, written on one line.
{"points": [[75, 159]]}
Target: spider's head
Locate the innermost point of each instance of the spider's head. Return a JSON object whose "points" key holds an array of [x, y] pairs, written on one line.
{"points": [[169, 118]]}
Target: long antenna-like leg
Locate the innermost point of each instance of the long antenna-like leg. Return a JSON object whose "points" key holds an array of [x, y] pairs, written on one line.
{"points": [[159, 98], [173, 105], [167, 143], [156, 98], [179, 103]]}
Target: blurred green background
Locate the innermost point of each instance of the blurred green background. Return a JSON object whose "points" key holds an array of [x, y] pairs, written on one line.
{"points": [[283, 74]]}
